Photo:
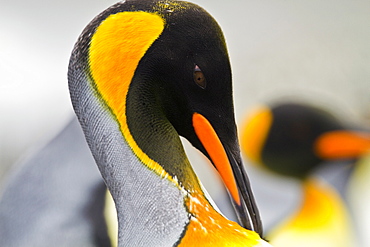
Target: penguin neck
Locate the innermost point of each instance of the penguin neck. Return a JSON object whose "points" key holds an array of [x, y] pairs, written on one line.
{"points": [[150, 206], [155, 135], [147, 188]]}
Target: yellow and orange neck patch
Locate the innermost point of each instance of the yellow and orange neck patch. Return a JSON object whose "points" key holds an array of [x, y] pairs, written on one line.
{"points": [[209, 228]]}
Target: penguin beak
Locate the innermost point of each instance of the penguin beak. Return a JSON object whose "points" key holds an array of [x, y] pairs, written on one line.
{"points": [[232, 172], [342, 144]]}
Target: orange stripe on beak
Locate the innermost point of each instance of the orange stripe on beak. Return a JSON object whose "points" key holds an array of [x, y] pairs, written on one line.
{"points": [[342, 144], [208, 137]]}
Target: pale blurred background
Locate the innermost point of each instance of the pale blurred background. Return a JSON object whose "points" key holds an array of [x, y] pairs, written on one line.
{"points": [[318, 50]]}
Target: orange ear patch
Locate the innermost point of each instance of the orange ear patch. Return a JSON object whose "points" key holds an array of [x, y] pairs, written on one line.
{"points": [[117, 46], [254, 133]]}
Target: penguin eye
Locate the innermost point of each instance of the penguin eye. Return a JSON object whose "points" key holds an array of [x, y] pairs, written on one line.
{"points": [[199, 78]]}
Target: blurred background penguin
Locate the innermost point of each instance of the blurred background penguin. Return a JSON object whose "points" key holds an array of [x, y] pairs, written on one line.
{"points": [[296, 139]]}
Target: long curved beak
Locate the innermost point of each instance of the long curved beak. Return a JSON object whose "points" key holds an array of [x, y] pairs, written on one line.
{"points": [[232, 172]]}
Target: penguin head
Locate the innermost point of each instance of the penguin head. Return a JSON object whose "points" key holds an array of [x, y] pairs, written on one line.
{"points": [[189, 71], [284, 136]]}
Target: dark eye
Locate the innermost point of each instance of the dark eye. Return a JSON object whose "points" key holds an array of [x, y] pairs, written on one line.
{"points": [[199, 78]]}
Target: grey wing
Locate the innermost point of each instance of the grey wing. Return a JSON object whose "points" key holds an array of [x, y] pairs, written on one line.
{"points": [[55, 197]]}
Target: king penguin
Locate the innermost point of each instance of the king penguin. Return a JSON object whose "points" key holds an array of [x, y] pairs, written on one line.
{"points": [[293, 139], [141, 74]]}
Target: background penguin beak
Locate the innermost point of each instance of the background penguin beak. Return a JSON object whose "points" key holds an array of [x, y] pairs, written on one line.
{"points": [[342, 144], [232, 172]]}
